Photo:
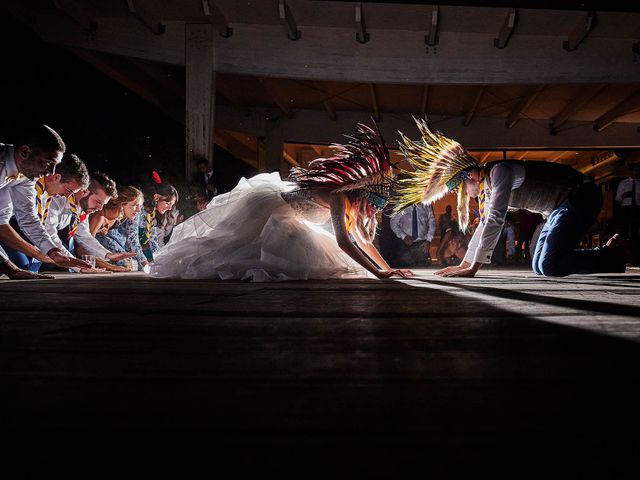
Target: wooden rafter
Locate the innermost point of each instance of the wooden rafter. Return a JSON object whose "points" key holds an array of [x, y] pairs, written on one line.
{"points": [[628, 105], [127, 74], [577, 103], [237, 147], [292, 161], [160, 76], [522, 105], [507, 28], [286, 17], [326, 101], [431, 38], [77, 13], [145, 18], [217, 18], [472, 110], [603, 159], [584, 26], [425, 102], [485, 156], [273, 92], [374, 102], [362, 36]]}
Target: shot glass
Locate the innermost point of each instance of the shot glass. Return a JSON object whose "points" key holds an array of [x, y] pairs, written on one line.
{"points": [[90, 259]]}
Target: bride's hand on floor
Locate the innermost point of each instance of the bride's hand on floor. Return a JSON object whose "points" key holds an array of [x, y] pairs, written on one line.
{"points": [[400, 272]]}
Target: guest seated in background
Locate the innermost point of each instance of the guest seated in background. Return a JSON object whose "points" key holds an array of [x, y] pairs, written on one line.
{"points": [[446, 221], [415, 226], [453, 246], [31, 201], [116, 229], [203, 179]]}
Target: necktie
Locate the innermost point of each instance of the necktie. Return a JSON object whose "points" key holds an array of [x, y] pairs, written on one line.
{"points": [[76, 216], [43, 210], [481, 197], [414, 223]]}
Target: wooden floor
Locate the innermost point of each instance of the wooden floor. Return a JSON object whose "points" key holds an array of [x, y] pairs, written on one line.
{"points": [[504, 370]]}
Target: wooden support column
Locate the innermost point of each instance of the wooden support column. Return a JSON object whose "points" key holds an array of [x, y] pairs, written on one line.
{"points": [[200, 94]]}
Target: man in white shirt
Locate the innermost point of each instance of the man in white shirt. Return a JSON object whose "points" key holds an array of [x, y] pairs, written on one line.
{"points": [[31, 202], [415, 226], [73, 213], [569, 199], [37, 152], [628, 196]]}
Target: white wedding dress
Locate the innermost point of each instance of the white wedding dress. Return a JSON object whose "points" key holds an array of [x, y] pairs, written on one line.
{"points": [[253, 233]]}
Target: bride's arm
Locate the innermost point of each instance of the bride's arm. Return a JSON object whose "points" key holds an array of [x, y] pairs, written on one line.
{"points": [[369, 249], [338, 215], [375, 255]]}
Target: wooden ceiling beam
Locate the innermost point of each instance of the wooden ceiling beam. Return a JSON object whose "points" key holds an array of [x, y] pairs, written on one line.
{"points": [[508, 26], [145, 18], [522, 105], [77, 13], [625, 107], [431, 38], [374, 102], [161, 76], [485, 156], [424, 105], [292, 161], [326, 101], [237, 148], [362, 36], [583, 27], [577, 103], [286, 17], [601, 160], [217, 18], [476, 101], [126, 74], [272, 90]]}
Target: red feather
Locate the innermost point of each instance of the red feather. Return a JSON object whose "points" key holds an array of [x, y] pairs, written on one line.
{"points": [[156, 177]]}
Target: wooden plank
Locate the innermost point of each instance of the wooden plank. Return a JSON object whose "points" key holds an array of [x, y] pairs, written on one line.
{"points": [[472, 110]]}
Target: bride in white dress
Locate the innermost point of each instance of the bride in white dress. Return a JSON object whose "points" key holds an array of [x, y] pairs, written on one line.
{"points": [[267, 229]]}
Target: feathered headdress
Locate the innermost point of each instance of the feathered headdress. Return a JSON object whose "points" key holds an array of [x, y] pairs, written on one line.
{"points": [[362, 163], [440, 166]]}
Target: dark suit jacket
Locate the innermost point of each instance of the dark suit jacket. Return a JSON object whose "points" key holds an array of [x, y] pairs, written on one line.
{"points": [[199, 181]]}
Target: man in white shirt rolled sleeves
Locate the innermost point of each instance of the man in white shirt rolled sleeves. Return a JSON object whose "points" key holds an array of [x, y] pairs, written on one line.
{"points": [[36, 153], [570, 200], [31, 202]]}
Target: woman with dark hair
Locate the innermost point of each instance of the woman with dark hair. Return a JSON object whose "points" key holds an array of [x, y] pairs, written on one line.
{"points": [[267, 229], [153, 219]]}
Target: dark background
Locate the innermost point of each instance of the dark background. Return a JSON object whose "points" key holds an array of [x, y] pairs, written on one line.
{"points": [[107, 126]]}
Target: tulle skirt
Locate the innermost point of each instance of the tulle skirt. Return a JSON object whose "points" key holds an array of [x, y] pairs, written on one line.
{"points": [[251, 233]]}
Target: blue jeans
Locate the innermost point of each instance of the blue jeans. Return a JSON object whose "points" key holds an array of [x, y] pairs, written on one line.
{"points": [[556, 254], [25, 262], [21, 260]]}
